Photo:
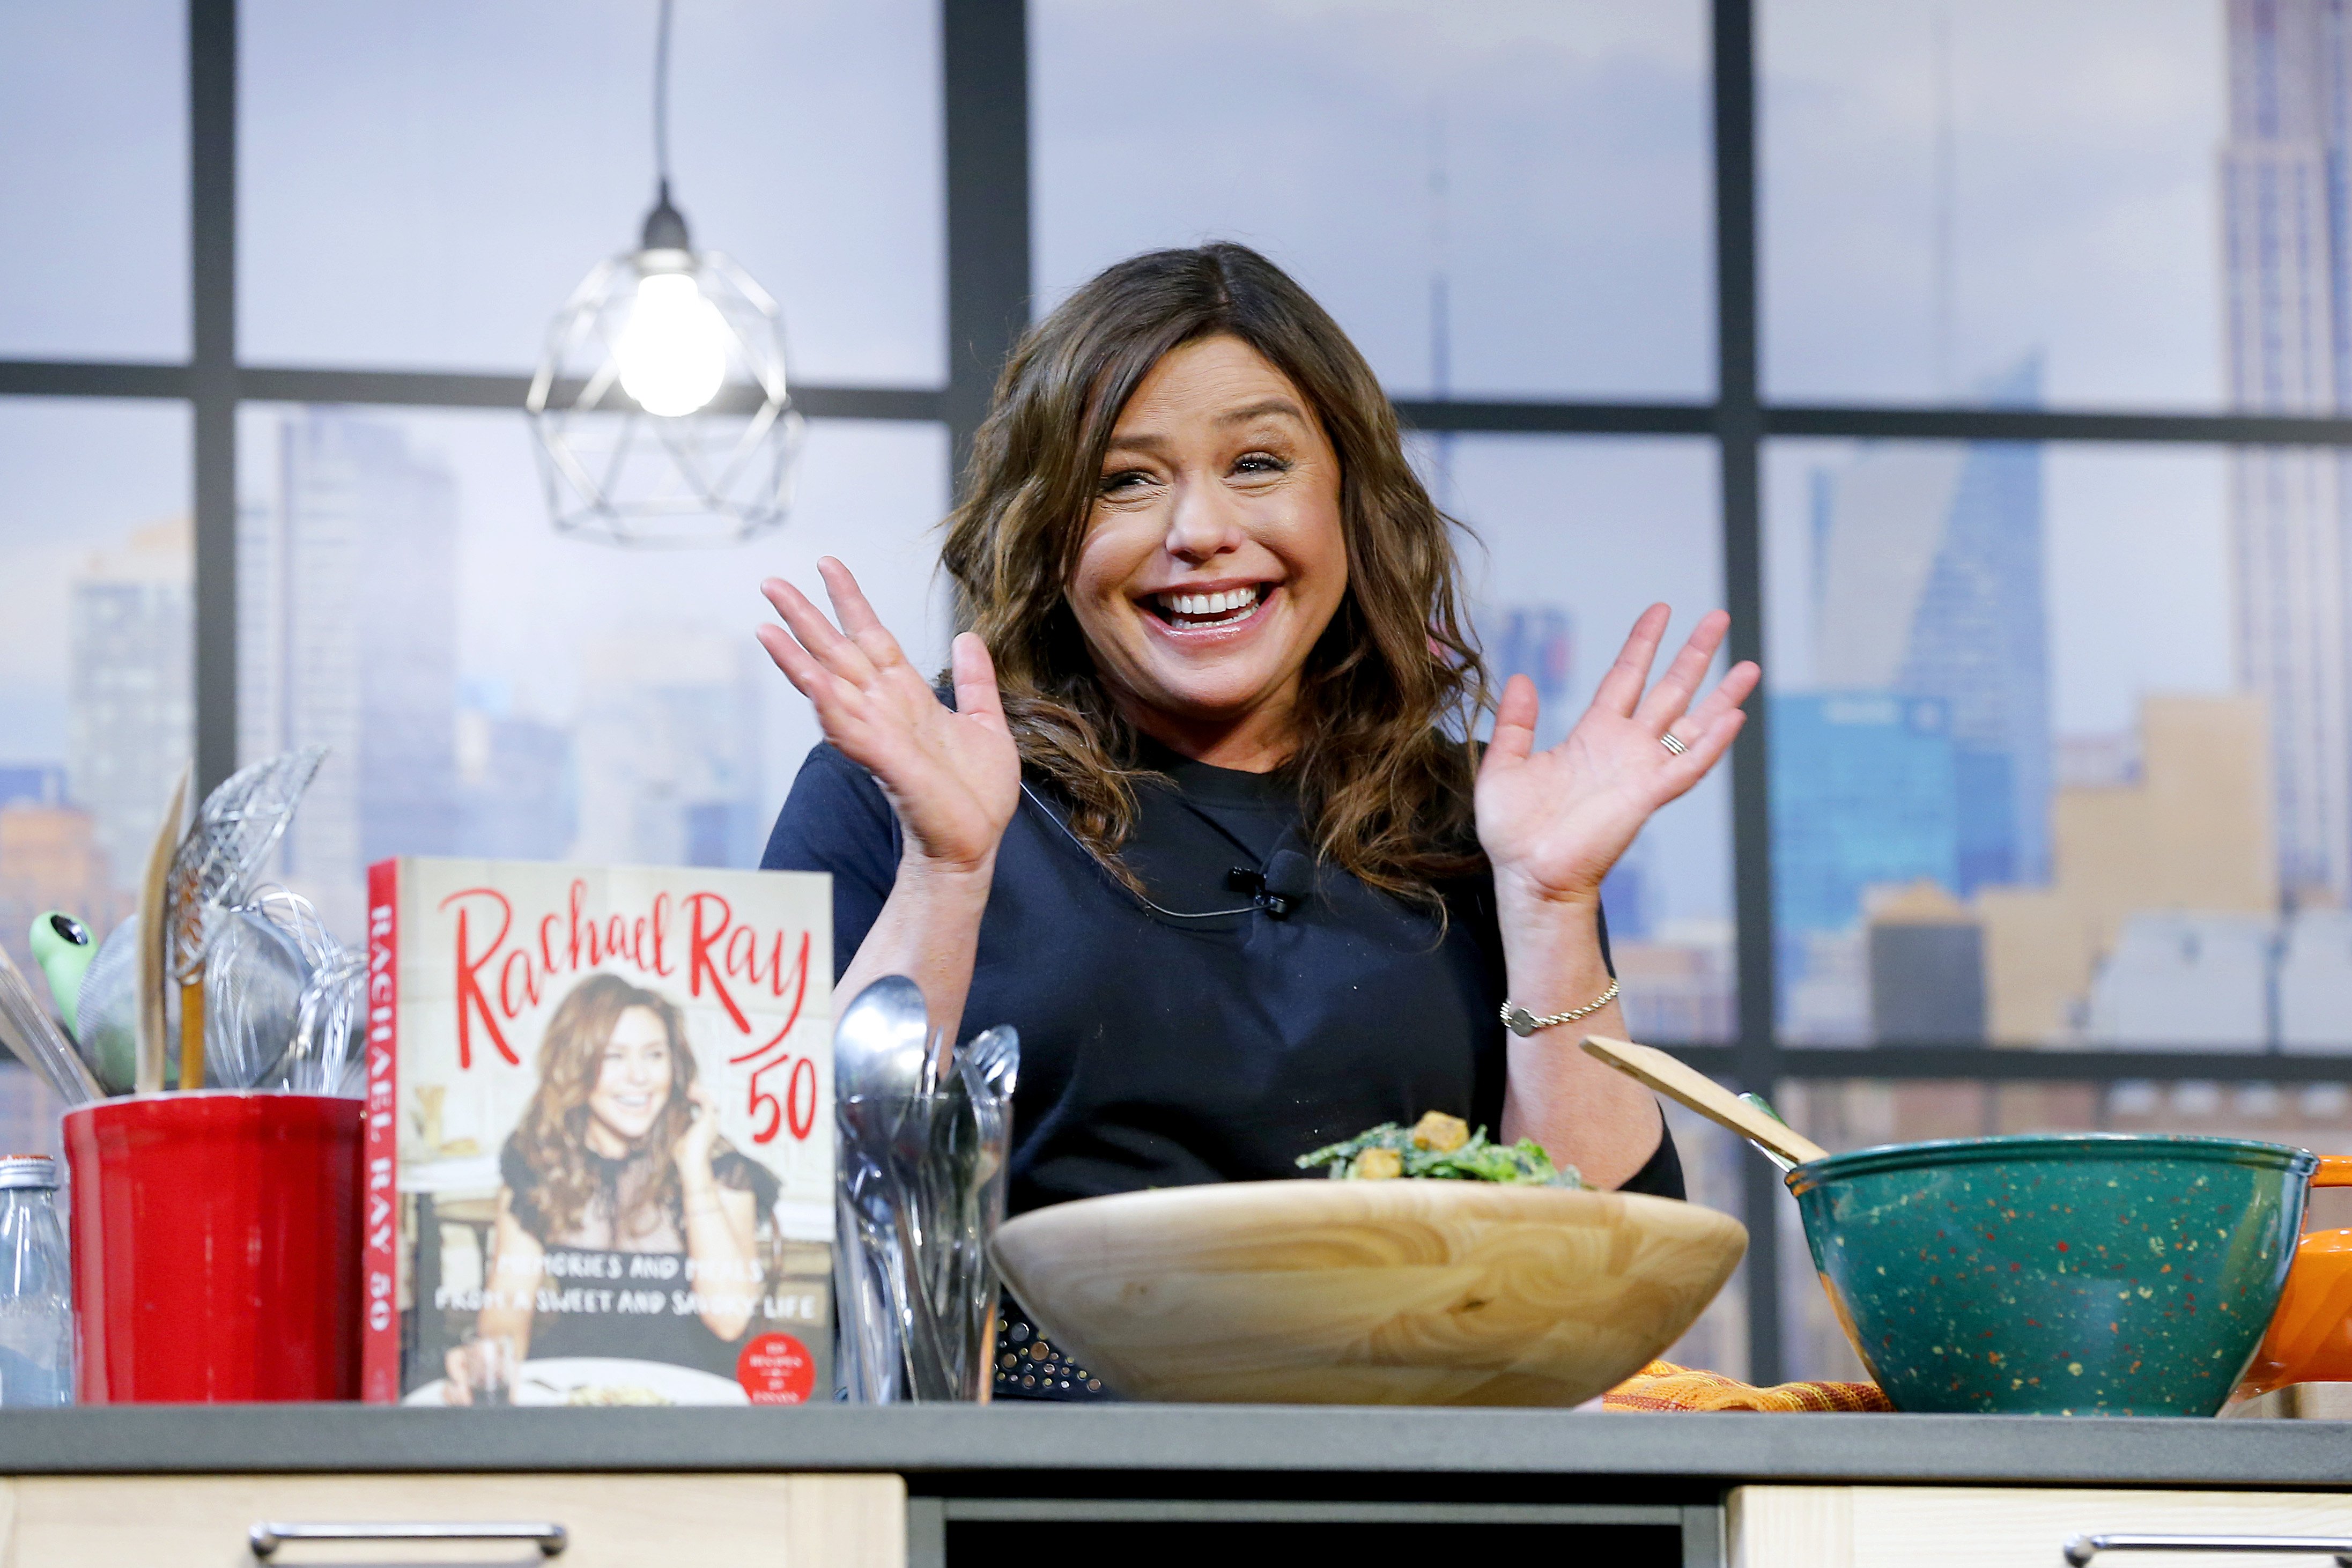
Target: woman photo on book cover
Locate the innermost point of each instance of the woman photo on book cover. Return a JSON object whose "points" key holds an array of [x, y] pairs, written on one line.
{"points": [[619, 1205]]}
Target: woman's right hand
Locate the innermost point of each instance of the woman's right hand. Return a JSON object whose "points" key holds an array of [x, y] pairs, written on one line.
{"points": [[953, 778]]}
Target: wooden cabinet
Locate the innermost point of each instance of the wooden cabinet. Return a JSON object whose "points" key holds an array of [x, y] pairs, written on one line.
{"points": [[610, 1520], [1966, 1527]]}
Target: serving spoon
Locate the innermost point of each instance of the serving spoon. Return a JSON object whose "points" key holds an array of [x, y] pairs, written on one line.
{"points": [[881, 1039], [882, 1052], [1783, 1144]]}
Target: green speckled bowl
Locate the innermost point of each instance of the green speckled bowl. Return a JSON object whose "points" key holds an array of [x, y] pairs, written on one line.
{"points": [[2091, 1275]]}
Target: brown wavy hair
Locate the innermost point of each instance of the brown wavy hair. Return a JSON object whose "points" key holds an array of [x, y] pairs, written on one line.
{"points": [[1389, 691], [552, 1136]]}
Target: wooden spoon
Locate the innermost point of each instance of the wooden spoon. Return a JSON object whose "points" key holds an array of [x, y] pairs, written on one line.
{"points": [[1709, 1099], [154, 941]]}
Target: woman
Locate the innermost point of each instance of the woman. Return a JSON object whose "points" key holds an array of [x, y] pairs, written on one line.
{"points": [[1204, 821], [617, 1179]]}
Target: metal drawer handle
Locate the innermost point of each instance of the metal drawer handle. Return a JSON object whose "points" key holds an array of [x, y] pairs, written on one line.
{"points": [[267, 1538], [2081, 1549]]}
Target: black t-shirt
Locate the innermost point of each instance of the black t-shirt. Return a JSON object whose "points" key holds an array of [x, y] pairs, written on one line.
{"points": [[1199, 1037]]}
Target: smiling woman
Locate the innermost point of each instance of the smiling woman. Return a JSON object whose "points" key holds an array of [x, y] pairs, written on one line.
{"points": [[1195, 417], [1214, 556], [1204, 821]]}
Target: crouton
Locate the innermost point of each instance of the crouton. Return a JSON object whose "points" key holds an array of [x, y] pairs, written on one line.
{"points": [[1440, 1131]]}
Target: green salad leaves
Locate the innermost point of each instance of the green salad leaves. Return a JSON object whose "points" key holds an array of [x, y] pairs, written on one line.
{"points": [[1440, 1148]]}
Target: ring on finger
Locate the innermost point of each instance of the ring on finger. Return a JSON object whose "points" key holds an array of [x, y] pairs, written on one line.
{"points": [[1672, 744]]}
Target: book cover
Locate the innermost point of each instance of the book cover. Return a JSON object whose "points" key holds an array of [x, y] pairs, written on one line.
{"points": [[599, 1135]]}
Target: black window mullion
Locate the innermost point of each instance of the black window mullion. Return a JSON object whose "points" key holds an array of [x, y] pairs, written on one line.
{"points": [[1740, 434], [212, 378], [1965, 424], [984, 58]]}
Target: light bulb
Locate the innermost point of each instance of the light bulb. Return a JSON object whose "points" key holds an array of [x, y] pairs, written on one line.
{"points": [[672, 354]]}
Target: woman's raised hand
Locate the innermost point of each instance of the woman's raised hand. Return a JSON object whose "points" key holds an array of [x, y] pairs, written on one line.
{"points": [[953, 778], [1553, 823]]}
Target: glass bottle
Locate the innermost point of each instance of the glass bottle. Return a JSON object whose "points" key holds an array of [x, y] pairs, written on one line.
{"points": [[37, 1327]]}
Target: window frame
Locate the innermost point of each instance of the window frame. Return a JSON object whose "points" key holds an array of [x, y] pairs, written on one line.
{"points": [[985, 97]]}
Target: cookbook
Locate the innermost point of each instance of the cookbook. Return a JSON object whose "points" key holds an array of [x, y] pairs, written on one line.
{"points": [[599, 1135]]}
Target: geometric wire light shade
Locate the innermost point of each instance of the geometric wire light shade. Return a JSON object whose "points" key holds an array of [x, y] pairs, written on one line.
{"points": [[662, 406], [617, 473]]}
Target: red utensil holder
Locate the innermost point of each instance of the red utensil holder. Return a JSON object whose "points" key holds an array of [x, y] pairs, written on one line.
{"points": [[216, 1248]]}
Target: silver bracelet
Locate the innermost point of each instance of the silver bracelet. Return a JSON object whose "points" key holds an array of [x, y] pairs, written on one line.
{"points": [[1523, 1022]]}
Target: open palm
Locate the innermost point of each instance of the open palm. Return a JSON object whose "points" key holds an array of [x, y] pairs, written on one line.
{"points": [[952, 775], [1553, 822]]}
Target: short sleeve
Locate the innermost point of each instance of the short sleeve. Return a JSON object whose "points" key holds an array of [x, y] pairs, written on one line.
{"points": [[1662, 1176], [837, 820]]}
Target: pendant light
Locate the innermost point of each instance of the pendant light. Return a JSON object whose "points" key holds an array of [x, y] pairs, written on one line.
{"points": [[661, 405]]}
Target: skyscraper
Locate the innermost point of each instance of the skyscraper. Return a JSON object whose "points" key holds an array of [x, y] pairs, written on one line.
{"points": [[518, 796], [1924, 755], [1927, 583], [50, 859], [1538, 641], [2189, 830], [1864, 796], [668, 744], [348, 590], [131, 714], [2287, 247]]}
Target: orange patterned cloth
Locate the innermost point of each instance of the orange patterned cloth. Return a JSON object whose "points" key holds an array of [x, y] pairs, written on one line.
{"points": [[1662, 1385]]}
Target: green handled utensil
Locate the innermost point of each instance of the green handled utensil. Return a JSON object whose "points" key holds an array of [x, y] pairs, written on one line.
{"points": [[62, 946]]}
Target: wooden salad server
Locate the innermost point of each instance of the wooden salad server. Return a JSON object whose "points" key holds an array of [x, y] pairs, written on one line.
{"points": [[1687, 1087]]}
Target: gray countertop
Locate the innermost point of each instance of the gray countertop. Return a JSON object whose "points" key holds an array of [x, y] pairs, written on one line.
{"points": [[1033, 1448]]}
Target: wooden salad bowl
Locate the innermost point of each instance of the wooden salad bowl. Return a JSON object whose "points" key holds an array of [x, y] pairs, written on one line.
{"points": [[1396, 1292]]}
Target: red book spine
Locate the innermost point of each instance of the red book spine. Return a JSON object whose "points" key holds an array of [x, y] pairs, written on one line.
{"points": [[379, 1246]]}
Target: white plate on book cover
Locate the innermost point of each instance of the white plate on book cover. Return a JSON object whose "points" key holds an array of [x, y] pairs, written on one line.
{"points": [[608, 1380]]}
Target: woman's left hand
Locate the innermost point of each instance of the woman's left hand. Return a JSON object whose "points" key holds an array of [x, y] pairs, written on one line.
{"points": [[1553, 823], [700, 1139]]}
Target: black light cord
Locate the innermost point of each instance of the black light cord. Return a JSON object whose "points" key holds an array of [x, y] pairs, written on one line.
{"points": [[664, 226], [661, 100]]}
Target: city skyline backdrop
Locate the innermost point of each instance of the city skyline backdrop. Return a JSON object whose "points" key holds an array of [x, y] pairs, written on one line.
{"points": [[2203, 849], [1638, 102], [305, 618]]}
